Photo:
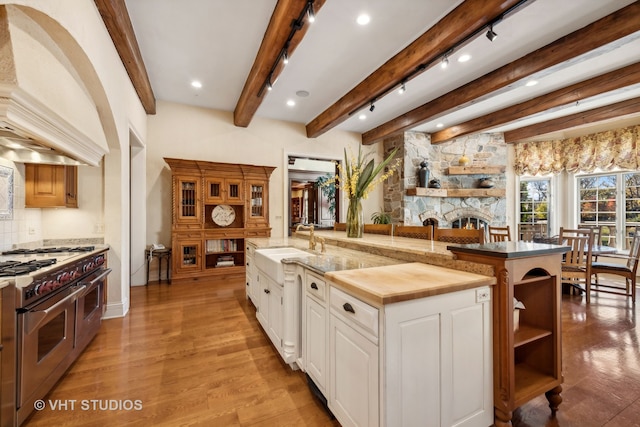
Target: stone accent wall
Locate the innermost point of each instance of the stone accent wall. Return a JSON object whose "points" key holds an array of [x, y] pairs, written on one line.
{"points": [[481, 149]]}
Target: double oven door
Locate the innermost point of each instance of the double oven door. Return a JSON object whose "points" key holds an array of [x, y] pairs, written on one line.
{"points": [[52, 334], [46, 337], [90, 308]]}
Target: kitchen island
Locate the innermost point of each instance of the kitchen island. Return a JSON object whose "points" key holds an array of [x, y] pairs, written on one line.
{"points": [[386, 340]]}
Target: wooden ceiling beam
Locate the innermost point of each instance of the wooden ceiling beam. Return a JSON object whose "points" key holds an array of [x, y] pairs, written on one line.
{"points": [[116, 19], [604, 83], [613, 111], [606, 30], [278, 32], [466, 19]]}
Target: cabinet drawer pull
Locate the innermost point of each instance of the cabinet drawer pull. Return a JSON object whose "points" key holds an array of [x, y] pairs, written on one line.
{"points": [[314, 286], [348, 307], [267, 291]]}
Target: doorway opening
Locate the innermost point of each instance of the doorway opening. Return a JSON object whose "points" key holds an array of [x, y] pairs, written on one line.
{"points": [[311, 202]]}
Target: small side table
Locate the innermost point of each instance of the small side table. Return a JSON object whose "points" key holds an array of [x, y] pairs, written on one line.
{"points": [[161, 254]]}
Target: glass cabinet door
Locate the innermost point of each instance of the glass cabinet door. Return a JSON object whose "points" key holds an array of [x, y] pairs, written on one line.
{"points": [[188, 206], [257, 200]]}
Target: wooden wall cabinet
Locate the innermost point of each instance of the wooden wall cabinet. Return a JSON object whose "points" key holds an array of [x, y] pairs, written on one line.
{"points": [[51, 186], [202, 246]]}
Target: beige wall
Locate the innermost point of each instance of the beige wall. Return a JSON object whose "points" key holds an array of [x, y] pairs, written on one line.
{"points": [[181, 131]]}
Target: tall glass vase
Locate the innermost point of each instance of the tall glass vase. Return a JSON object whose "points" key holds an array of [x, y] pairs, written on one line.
{"points": [[355, 218]]}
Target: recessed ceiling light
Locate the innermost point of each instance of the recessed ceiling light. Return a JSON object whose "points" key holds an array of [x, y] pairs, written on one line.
{"points": [[291, 103], [439, 125], [531, 83], [464, 57], [362, 116], [196, 84], [363, 19]]}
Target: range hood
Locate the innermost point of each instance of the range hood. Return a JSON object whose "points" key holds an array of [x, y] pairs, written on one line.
{"points": [[47, 110], [19, 148]]}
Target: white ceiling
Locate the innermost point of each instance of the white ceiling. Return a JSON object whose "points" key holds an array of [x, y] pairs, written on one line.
{"points": [[216, 41]]}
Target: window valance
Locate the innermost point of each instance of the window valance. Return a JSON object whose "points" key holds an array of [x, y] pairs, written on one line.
{"points": [[603, 150]]}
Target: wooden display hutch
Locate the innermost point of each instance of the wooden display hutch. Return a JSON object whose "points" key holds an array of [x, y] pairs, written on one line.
{"points": [[527, 362], [215, 207]]}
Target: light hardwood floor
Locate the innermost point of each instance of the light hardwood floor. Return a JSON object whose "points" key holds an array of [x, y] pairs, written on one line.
{"points": [[194, 354]]}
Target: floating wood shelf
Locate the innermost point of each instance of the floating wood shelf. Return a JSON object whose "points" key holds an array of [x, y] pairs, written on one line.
{"points": [[429, 192], [476, 170], [456, 192]]}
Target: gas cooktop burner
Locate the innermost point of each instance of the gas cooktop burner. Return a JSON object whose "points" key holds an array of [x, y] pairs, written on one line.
{"points": [[16, 268], [49, 250]]}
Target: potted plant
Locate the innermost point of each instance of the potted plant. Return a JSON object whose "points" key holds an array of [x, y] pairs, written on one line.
{"points": [[381, 217]]}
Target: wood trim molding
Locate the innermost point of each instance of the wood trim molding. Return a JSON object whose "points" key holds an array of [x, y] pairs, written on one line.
{"points": [[276, 35], [603, 83], [617, 25], [617, 110], [463, 21], [116, 19]]}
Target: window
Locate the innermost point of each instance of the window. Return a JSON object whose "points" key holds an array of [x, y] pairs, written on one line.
{"points": [[613, 201], [534, 201]]}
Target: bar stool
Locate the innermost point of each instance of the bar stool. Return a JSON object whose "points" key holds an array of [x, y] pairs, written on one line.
{"points": [[161, 254]]}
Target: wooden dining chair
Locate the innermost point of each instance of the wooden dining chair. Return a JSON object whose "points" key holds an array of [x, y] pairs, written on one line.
{"points": [[459, 235], [384, 229], [597, 231], [339, 226], [576, 266], [414, 231], [626, 270], [527, 232], [499, 234]]}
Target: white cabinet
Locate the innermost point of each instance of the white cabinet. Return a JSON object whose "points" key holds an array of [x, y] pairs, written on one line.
{"points": [[269, 312], [438, 359], [251, 273], [279, 310], [422, 362], [353, 363], [315, 327]]}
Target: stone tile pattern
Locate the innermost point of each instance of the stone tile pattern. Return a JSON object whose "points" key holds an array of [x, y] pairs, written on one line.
{"points": [[481, 149]]}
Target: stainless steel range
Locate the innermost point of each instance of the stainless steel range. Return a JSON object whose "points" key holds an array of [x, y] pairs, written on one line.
{"points": [[59, 303]]}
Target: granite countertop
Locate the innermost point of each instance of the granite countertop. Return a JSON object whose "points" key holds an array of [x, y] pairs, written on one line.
{"points": [[516, 249], [334, 259], [4, 283], [404, 249], [402, 282]]}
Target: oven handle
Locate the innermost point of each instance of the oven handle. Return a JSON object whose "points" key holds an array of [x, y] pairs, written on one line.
{"points": [[104, 273], [33, 319]]}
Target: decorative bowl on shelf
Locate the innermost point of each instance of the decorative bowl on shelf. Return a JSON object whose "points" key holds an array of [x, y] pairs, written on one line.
{"points": [[486, 183]]}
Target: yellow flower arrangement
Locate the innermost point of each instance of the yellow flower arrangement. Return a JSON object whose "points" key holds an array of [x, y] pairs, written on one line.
{"points": [[357, 178]]}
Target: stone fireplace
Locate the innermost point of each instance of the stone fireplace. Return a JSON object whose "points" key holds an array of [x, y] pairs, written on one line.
{"points": [[415, 147]]}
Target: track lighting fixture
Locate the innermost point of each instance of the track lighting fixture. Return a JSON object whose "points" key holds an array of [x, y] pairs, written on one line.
{"points": [[285, 57], [269, 84], [491, 35], [445, 62], [311, 15], [372, 107], [402, 89]]}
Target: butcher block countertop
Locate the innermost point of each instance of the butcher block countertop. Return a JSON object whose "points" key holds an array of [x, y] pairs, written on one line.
{"points": [[402, 282]]}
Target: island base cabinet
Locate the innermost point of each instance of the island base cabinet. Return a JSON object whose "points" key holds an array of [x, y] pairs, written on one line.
{"points": [[315, 342], [438, 360], [353, 376]]}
